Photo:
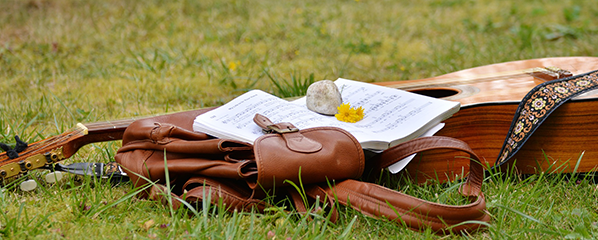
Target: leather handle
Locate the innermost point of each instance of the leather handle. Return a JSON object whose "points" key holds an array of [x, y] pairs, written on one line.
{"points": [[377, 201]]}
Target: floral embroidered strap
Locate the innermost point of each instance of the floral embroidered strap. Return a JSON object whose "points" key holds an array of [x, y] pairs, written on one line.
{"points": [[538, 104]]}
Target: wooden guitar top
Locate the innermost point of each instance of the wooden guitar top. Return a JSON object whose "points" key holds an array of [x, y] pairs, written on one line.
{"points": [[467, 90]]}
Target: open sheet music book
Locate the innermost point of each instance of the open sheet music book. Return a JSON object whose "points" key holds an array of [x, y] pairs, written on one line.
{"points": [[391, 116]]}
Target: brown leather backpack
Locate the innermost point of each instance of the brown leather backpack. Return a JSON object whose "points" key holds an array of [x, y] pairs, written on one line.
{"points": [[241, 175]]}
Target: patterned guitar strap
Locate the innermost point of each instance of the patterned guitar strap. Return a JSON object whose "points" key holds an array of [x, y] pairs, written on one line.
{"points": [[538, 104]]}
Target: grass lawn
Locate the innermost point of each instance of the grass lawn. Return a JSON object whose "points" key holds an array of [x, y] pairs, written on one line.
{"points": [[64, 62]]}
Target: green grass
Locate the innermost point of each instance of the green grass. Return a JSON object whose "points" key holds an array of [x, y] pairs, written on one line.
{"points": [[63, 62]]}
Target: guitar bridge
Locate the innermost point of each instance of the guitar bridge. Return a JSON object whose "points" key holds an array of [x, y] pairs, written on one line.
{"points": [[550, 73]]}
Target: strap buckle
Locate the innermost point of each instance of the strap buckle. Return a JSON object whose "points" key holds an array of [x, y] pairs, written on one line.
{"points": [[276, 129]]}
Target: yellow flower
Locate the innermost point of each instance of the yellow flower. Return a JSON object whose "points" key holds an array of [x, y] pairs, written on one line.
{"points": [[232, 66], [348, 114]]}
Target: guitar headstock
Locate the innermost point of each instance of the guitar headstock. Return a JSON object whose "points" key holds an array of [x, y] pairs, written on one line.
{"points": [[38, 154]]}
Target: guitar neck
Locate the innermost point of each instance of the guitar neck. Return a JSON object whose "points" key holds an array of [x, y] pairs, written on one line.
{"points": [[108, 126], [98, 132]]}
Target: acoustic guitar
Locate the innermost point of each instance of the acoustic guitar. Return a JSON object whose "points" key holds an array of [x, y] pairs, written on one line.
{"points": [[489, 96]]}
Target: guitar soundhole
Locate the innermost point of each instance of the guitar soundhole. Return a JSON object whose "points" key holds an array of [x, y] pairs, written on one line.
{"points": [[436, 92]]}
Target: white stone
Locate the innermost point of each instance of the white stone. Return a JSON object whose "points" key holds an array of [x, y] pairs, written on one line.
{"points": [[323, 97], [55, 176], [28, 185]]}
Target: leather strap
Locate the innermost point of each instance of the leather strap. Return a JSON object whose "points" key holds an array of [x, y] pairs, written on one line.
{"points": [[375, 200], [394, 154]]}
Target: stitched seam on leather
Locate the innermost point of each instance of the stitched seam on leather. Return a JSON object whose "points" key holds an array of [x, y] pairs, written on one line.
{"points": [[258, 155]]}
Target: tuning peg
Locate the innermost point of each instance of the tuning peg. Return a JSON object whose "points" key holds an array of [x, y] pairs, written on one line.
{"points": [[28, 185], [54, 177]]}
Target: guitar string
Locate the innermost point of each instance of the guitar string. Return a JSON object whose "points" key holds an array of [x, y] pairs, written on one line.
{"points": [[42, 145], [478, 78], [35, 148]]}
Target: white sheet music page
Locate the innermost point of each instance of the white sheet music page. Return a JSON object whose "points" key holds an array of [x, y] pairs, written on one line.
{"points": [[391, 116]]}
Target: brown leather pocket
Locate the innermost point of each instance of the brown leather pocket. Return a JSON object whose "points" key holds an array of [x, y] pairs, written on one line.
{"points": [[340, 157]]}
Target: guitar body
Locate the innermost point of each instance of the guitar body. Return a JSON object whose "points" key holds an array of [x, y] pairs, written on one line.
{"points": [[486, 114]]}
